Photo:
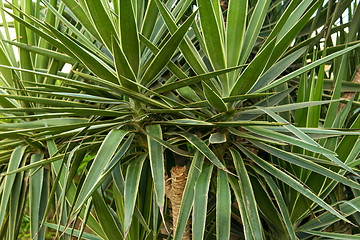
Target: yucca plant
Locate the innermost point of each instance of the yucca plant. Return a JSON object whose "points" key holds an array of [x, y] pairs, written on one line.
{"points": [[180, 118]]}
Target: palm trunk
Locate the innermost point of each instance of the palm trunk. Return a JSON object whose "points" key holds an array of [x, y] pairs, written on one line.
{"points": [[174, 190]]}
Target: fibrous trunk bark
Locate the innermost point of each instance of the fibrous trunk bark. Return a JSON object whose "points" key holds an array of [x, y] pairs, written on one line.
{"points": [[174, 190]]}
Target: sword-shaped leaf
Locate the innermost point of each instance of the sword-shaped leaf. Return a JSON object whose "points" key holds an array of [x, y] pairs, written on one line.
{"points": [[243, 213], [214, 99], [213, 38], [106, 217], [253, 71], [203, 148], [285, 178], [90, 60], [253, 29], [235, 29], [35, 195], [200, 202], [157, 163], [307, 68], [223, 206], [248, 196], [307, 139], [102, 158], [166, 52], [192, 80], [188, 194], [132, 180], [123, 67], [281, 203], [14, 163], [337, 236], [100, 14], [129, 36]]}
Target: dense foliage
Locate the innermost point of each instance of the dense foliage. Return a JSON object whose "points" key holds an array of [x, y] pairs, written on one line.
{"points": [[188, 119]]}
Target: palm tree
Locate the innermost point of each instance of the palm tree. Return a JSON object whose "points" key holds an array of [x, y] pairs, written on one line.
{"points": [[184, 119]]}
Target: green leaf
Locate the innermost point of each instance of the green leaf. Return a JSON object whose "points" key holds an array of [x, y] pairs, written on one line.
{"points": [[78, 11], [243, 213], [186, 47], [129, 37], [281, 203], [200, 202], [6, 73], [75, 232], [287, 107], [199, 123], [235, 29], [248, 196], [149, 19], [120, 185], [124, 91], [188, 194], [123, 67], [306, 68], [170, 146], [106, 218], [7, 103], [87, 213], [102, 20], [223, 206], [35, 195], [307, 139], [291, 29], [285, 178], [47, 101], [213, 38], [253, 137], [171, 66], [330, 235], [56, 166], [252, 72], [17, 201], [326, 218], [157, 163], [117, 157], [75, 31], [217, 137], [42, 123], [43, 51], [275, 71], [214, 100], [197, 103], [307, 164], [253, 29], [332, 112], [15, 160], [98, 66], [166, 52], [287, 139], [132, 180], [285, 18], [25, 58], [104, 155], [192, 80], [38, 31], [109, 168], [203, 148]]}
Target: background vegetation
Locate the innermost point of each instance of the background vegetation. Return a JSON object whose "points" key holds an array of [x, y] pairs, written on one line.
{"points": [[188, 119]]}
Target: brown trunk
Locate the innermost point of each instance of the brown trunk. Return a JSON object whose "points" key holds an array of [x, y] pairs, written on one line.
{"points": [[174, 190]]}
